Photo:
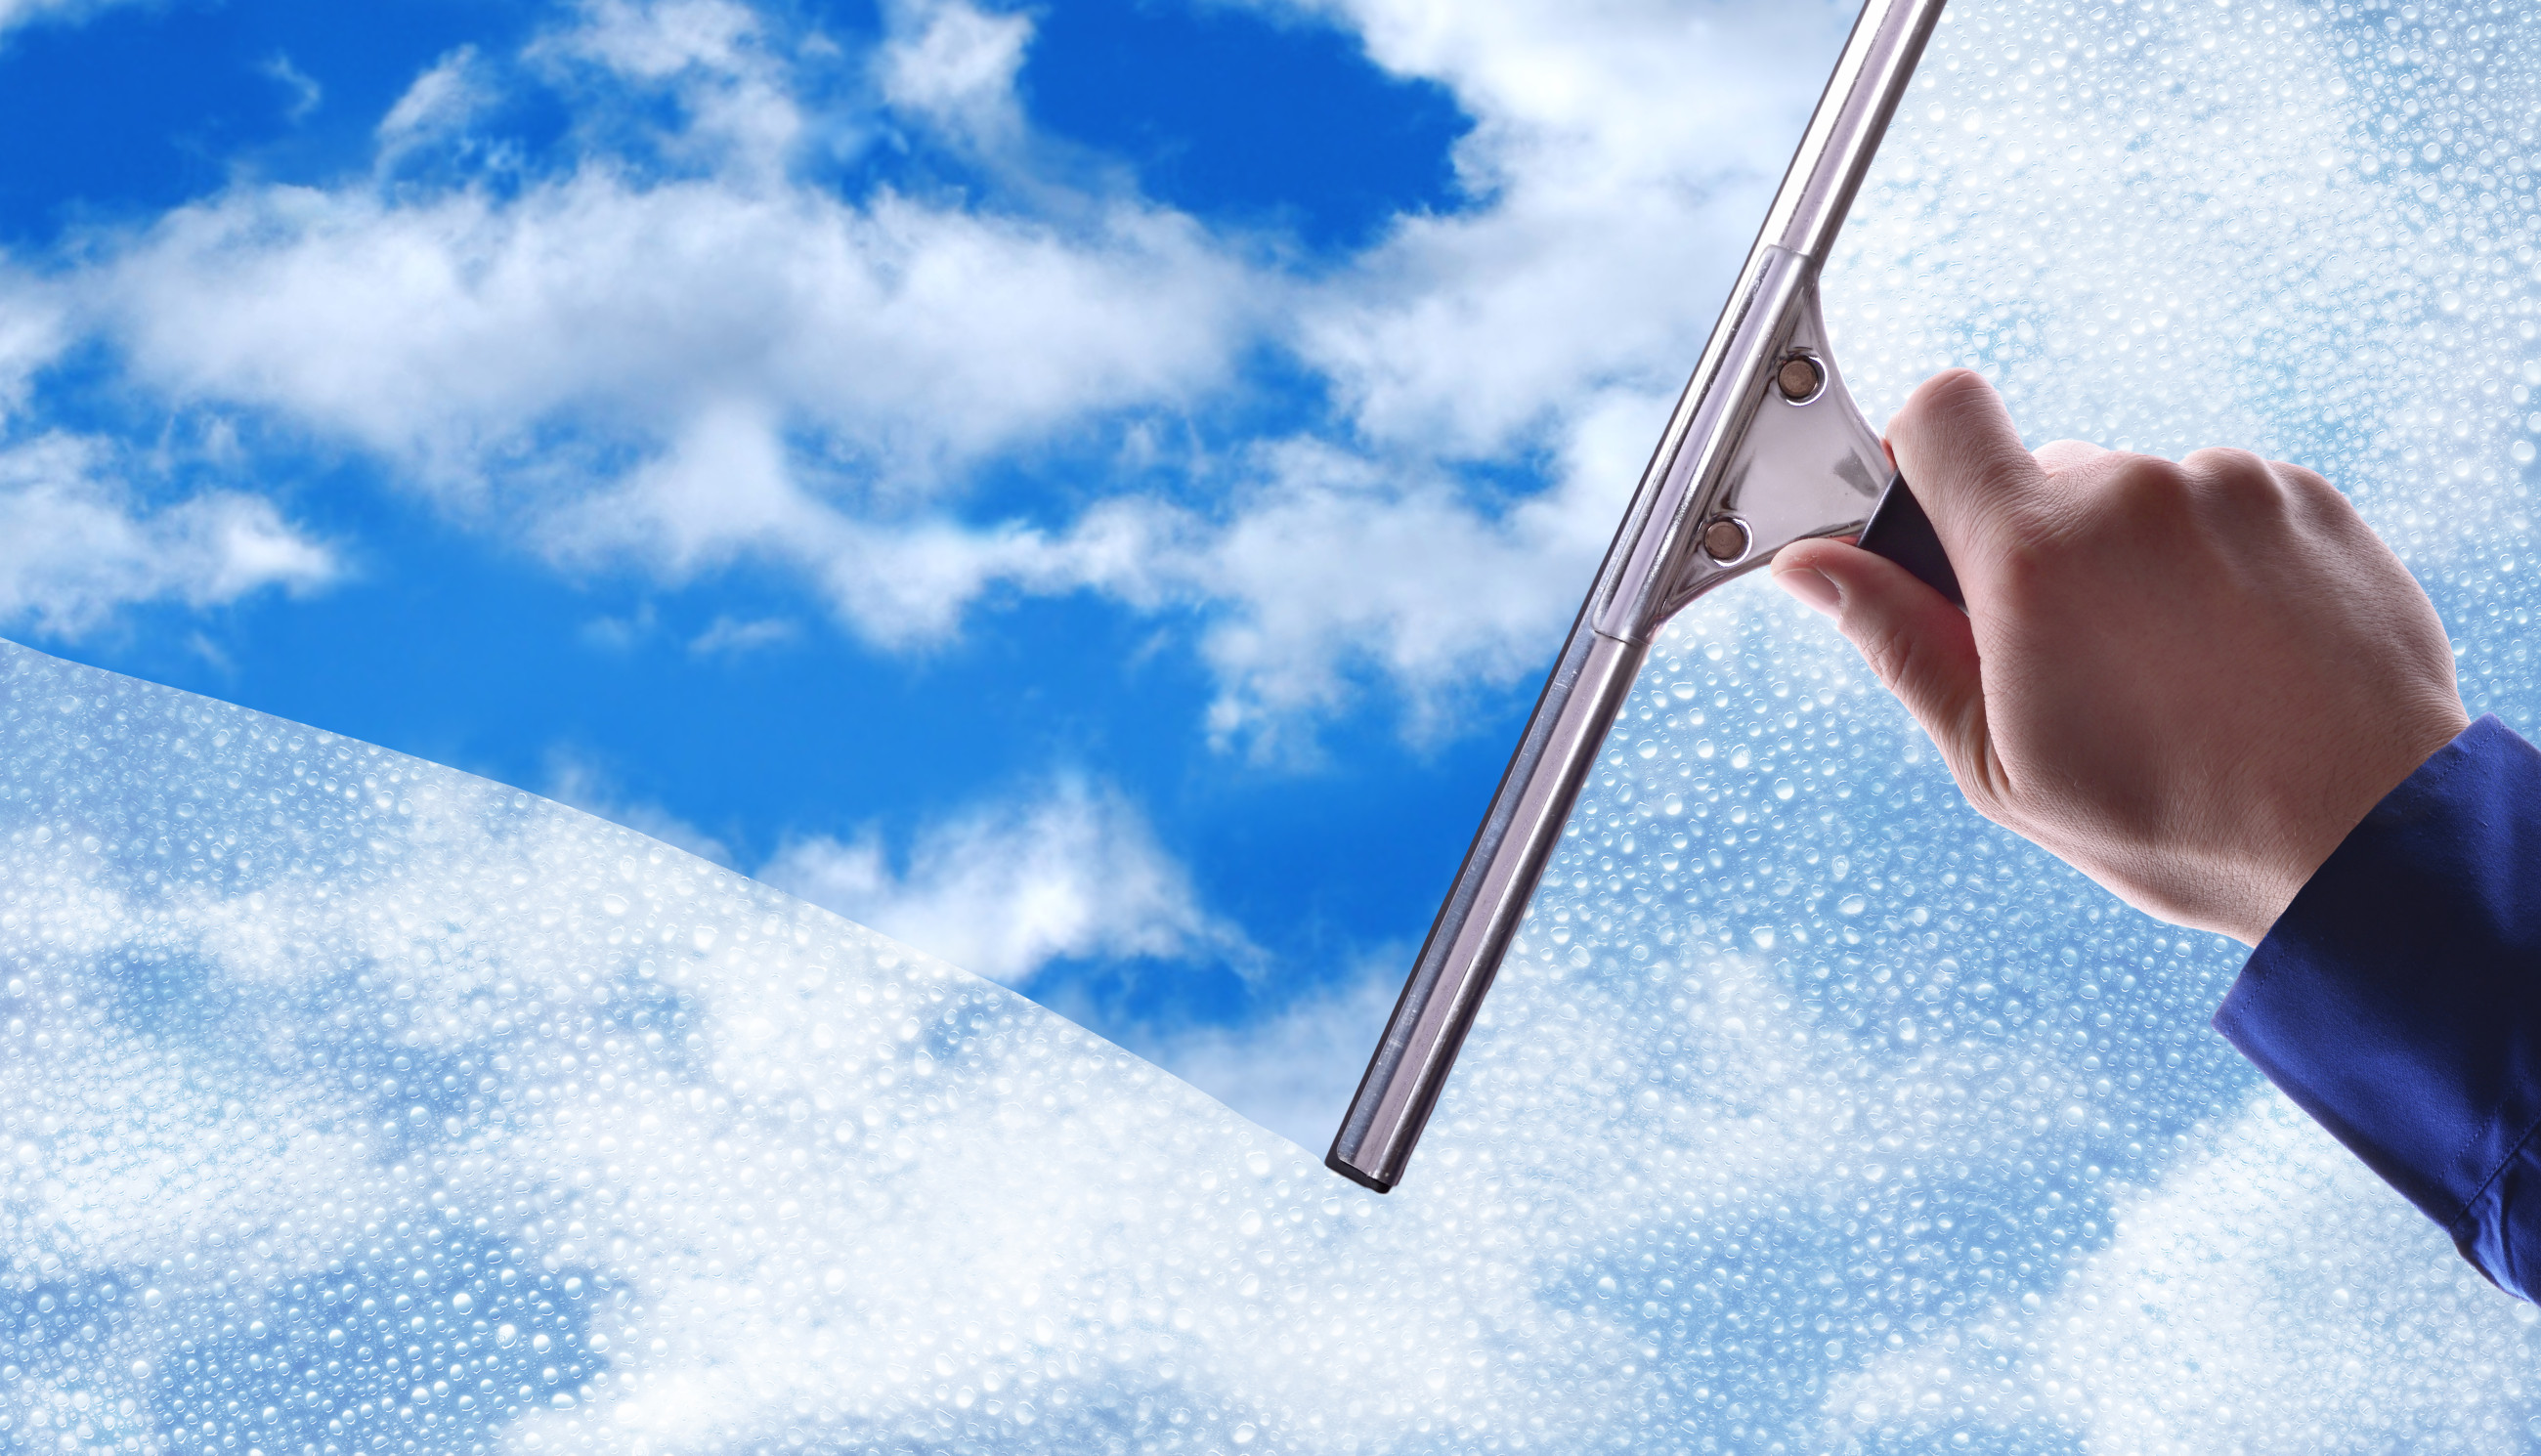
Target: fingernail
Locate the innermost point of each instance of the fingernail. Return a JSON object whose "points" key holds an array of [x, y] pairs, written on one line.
{"points": [[1812, 588]]}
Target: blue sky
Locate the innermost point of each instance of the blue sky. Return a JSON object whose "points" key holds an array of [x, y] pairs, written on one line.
{"points": [[1087, 488]]}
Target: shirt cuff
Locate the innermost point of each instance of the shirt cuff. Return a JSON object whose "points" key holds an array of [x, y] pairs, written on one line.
{"points": [[2397, 998]]}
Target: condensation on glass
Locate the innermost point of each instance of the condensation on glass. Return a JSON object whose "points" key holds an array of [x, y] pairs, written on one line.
{"points": [[349, 1104]]}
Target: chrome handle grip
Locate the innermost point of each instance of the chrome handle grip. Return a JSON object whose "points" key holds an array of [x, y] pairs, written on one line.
{"points": [[1899, 530], [1573, 715]]}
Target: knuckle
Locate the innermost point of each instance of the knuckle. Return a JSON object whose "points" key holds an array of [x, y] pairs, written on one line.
{"points": [[1940, 398], [2142, 495], [2119, 504], [1955, 383], [2029, 548], [2063, 456], [2224, 461], [2237, 478], [2311, 492], [2151, 474]]}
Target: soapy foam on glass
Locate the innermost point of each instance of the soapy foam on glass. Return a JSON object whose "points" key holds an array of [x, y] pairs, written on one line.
{"points": [[353, 1104]]}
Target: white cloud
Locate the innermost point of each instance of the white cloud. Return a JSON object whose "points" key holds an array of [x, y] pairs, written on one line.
{"points": [[715, 57], [619, 634], [16, 13], [32, 330], [731, 636], [879, 1141], [589, 788], [664, 39], [1004, 889], [905, 1200], [306, 92], [440, 99], [1622, 152], [955, 64], [1292, 1071], [1340, 567], [683, 368], [1072, 870], [1619, 161], [672, 352], [76, 544], [443, 332], [2271, 1255]]}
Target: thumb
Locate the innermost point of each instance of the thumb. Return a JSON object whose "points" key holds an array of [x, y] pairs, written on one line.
{"points": [[1920, 647]]}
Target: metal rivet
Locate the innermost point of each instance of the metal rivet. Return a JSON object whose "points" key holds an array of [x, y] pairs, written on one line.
{"points": [[1725, 540], [1801, 378]]}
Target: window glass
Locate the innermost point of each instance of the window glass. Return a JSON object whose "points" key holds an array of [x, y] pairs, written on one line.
{"points": [[353, 1104]]}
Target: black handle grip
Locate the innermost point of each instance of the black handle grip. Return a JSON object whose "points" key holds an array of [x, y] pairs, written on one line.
{"points": [[1900, 531]]}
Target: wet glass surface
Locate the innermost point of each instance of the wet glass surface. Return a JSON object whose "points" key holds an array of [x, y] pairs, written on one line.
{"points": [[353, 1104]]}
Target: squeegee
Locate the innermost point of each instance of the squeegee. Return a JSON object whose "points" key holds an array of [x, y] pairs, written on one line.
{"points": [[1766, 448]]}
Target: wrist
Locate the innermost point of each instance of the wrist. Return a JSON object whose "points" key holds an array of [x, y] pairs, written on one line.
{"points": [[2424, 736]]}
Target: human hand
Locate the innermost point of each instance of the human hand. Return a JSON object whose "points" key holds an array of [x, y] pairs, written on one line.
{"points": [[2188, 681]]}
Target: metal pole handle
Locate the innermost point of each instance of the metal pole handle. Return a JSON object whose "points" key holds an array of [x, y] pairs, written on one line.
{"points": [[1721, 495], [1465, 942]]}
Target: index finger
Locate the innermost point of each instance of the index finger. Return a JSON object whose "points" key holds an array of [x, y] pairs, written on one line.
{"points": [[1957, 447]]}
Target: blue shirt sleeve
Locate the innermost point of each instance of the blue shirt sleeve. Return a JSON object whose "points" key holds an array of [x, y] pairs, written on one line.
{"points": [[2398, 1000]]}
